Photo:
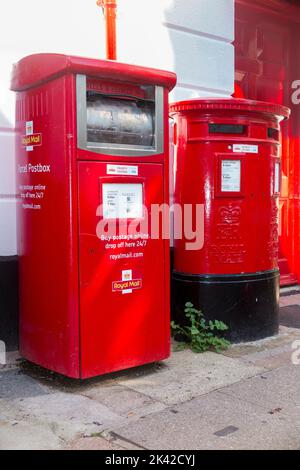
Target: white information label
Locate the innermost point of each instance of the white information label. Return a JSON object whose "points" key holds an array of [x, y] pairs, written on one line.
{"points": [[277, 178], [231, 176], [122, 201], [122, 170], [242, 148]]}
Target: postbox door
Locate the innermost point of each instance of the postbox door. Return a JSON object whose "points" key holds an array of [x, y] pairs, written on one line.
{"points": [[123, 319]]}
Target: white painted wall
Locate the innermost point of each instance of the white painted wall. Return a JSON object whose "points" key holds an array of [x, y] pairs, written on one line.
{"points": [[191, 37]]}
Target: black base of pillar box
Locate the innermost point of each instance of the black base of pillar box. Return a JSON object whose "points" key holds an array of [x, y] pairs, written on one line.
{"points": [[247, 303], [9, 302]]}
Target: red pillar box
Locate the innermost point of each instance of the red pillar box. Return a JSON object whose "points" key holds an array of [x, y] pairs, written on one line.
{"points": [[92, 158], [228, 160]]}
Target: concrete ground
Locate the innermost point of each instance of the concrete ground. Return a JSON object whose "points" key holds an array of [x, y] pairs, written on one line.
{"points": [[246, 398]]}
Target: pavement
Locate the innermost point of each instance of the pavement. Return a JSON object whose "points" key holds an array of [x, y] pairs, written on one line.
{"points": [[246, 398]]}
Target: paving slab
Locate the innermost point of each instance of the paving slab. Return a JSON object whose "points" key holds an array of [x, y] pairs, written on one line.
{"points": [[286, 338], [276, 392], [123, 401], [271, 358], [72, 415], [290, 316], [290, 300], [246, 398], [213, 421], [13, 360], [274, 361], [188, 375], [15, 384], [25, 436], [92, 443], [8, 411], [58, 383]]}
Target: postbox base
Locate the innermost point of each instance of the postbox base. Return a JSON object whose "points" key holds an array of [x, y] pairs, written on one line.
{"points": [[247, 303]]}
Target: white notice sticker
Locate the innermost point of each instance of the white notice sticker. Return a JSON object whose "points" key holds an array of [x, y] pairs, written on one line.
{"points": [[122, 201], [242, 148], [231, 176], [122, 170]]}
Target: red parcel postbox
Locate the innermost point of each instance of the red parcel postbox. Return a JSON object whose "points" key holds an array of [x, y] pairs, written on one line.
{"points": [[227, 158], [92, 158]]}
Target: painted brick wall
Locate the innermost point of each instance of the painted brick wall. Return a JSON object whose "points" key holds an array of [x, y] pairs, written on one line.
{"points": [[191, 37]]}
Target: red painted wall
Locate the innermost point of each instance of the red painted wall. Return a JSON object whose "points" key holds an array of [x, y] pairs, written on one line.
{"points": [[267, 41]]}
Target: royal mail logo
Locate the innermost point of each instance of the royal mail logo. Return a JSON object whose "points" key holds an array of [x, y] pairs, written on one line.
{"points": [[127, 285], [120, 286], [33, 140]]}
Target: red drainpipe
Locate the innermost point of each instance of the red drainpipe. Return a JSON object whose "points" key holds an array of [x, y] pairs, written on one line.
{"points": [[110, 14]]}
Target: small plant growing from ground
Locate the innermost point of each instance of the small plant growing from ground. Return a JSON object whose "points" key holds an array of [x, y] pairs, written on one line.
{"points": [[199, 334]]}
